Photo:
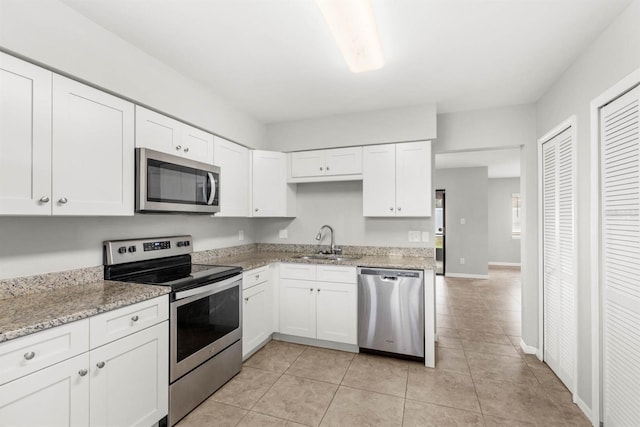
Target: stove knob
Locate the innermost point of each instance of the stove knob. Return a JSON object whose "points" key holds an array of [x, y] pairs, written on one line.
{"points": [[132, 249], [122, 250], [180, 244], [187, 243]]}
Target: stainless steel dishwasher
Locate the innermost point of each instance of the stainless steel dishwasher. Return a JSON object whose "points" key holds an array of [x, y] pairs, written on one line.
{"points": [[391, 311]]}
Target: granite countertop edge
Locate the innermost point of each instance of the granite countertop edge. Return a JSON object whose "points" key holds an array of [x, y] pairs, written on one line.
{"points": [[43, 319]]}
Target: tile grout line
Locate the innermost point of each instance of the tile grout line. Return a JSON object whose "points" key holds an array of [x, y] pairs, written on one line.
{"points": [[336, 392]]}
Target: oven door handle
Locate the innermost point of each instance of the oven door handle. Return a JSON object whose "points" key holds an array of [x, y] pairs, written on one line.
{"points": [[212, 195], [209, 289]]}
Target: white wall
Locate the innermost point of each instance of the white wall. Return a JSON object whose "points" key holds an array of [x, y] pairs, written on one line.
{"points": [[41, 245], [371, 127], [466, 192], [339, 204], [503, 248], [56, 35], [612, 56]]}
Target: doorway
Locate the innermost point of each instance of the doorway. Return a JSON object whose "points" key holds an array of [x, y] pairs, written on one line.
{"points": [[440, 232]]}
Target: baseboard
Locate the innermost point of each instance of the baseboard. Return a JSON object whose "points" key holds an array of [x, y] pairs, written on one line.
{"points": [[504, 264], [467, 276], [585, 409], [529, 349]]}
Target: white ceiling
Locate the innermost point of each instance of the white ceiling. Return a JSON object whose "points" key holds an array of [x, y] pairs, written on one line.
{"points": [[503, 163], [276, 60]]}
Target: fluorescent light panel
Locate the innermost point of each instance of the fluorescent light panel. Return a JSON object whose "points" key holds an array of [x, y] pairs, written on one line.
{"points": [[354, 28]]}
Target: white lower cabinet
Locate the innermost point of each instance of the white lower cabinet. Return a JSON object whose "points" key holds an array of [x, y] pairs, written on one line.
{"points": [[122, 383], [312, 307], [130, 379], [56, 396], [257, 309]]}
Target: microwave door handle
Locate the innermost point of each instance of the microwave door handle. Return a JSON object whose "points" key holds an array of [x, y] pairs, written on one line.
{"points": [[212, 195]]}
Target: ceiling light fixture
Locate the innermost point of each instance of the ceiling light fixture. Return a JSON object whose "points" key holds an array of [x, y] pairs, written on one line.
{"points": [[354, 27]]}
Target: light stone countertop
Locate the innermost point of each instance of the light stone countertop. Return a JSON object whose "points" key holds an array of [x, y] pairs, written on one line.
{"points": [[256, 259], [26, 314]]}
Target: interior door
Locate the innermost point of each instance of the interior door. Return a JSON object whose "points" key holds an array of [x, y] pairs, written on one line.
{"points": [[620, 259], [559, 276]]}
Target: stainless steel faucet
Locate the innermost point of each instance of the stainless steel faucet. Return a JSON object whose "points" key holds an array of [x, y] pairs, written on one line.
{"points": [[332, 248]]}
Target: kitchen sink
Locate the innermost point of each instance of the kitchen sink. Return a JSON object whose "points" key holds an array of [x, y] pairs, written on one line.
{"points": [[330, 257]]}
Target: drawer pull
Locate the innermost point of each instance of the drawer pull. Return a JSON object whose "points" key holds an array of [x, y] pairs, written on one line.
{"points": [[30, 355], [135, 318], [257, 276], [82, 372], [100, 365]]}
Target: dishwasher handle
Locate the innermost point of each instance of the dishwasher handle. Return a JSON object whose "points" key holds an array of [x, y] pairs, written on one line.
{"points": [[390, 274]]}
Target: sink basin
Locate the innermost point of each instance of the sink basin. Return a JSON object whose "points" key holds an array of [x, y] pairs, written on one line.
{"points": [[330, 257]]}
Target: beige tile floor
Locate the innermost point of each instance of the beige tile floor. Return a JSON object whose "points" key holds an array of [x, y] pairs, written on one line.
{"points": [[481, 377]]}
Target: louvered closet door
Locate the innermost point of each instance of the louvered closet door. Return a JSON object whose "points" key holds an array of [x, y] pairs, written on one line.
{"points": [[620, 185], [558, 198]]}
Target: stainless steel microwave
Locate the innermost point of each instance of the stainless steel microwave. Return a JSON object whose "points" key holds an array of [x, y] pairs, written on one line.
{"points": [[170, 184]]}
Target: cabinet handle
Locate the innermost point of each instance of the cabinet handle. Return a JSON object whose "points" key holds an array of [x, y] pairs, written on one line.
{"points": [[257, 209], [63, 200], [246, 299], [391, 209], [82, 372], [178, 147], [44, 199], [135, 318], [311, 289], [318, 290], [30, 355], [257, 276], [186, 149], [100, 365], [321, 168], [327, 167]]}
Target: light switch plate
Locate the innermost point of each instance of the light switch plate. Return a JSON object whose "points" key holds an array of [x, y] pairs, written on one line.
{"points": [[463, 221], [240, 235], [414, 236], [461, 260], [425, 236], [283, 234]]}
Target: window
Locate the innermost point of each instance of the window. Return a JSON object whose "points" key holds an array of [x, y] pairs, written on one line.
{"points": [[516, 205]]}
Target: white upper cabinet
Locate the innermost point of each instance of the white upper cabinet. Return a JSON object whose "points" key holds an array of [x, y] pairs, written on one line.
{"points": [[271, 195], [339, 164], [92, 157], [397, 180], [25, 138], [233, 160], [162, 133]]}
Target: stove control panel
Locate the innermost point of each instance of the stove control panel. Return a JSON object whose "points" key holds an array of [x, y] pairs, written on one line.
{"points": [[123, 251]]}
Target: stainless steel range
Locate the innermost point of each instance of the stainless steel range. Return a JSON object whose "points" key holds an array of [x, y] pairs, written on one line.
{"points": [[205, 313]]}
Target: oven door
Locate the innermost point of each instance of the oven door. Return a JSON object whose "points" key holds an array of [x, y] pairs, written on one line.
{"points": [[168, 183], [204, 321]]}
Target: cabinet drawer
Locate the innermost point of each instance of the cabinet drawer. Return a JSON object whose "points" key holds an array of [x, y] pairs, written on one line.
{"points": [[119, 323], [336, 273], [298, 271], [253, 277], [24, 355]]}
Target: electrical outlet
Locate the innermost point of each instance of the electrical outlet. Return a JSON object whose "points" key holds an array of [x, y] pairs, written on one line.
{"points": [[283, 234], [414, 236], [425, 236], [240, 235], [463, 221], [461, 260]]}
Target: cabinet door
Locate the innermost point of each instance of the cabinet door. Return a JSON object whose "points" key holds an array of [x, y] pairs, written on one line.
{"points": [[131, 388], [233, 160], [255, 317], [54, 396], [269, 183], [336, 312], [158, 132], [379, 180], [298, 307], [197, 144], [344, 161], [93, 157], [308, 163], [413, 179], [25, 138]]}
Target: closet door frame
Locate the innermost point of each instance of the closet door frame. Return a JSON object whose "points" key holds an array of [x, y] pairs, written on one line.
{"points": [[570, 123], [623, 86]]}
